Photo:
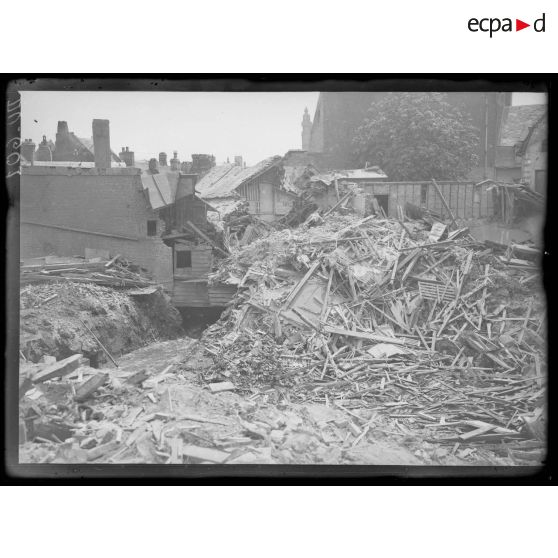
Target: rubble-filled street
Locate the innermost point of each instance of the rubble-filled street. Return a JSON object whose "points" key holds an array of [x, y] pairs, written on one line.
{"points": [[349, 341]]}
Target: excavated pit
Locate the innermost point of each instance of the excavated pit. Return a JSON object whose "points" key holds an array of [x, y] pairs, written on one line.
{"points": [[196, 320], [61, 319]]}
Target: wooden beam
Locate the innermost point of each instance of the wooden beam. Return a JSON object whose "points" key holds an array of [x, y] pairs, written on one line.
{"points": [[206, 238], [444, 202], [369, 336], [73, 229], [301, 283]]}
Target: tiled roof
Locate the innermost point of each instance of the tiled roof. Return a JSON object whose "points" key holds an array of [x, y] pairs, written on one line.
{"points": [[516, 122], [223, 180], [207, 183]]}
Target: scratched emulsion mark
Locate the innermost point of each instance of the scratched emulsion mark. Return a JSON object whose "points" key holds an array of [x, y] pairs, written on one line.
{"points": [[14, 141]]}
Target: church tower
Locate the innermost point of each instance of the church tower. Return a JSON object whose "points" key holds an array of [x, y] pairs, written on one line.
{"points": [[306, 130]]}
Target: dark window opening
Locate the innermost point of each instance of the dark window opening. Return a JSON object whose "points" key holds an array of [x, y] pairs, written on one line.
{"points": [[383, 202], [423, 193], [151, 228], [184, 259]]}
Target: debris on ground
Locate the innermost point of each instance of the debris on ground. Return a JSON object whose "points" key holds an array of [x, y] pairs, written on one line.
{"points": [[350, 340], [443, 334]]}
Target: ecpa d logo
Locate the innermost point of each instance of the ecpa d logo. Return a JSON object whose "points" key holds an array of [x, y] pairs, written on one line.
{"points": [[494, 24]]}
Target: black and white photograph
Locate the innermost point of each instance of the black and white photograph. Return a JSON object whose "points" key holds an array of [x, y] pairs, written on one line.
{"points": [[287, 278]]}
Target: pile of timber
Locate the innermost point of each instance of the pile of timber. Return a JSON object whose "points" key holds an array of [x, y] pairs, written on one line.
{"points": [[115, 272], [430, 327]]}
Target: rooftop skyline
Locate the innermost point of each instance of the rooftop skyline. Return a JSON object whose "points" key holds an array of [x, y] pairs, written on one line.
{"points": [[253, 125], [224, 124]]}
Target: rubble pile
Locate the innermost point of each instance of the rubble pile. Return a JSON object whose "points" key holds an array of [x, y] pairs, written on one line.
{"points": [[243, 229], [116, 272], [441, 333]]}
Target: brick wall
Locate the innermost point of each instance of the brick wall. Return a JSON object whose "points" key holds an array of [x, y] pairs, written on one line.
{"points": [[65, 210]]}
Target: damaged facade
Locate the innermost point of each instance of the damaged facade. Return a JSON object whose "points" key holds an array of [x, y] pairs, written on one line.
{"points": [[67, 208], [521, 155], [187, 231], [226, 187]]}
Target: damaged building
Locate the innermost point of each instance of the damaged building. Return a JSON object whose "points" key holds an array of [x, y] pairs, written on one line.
{"points": [[521, 154], [227, 186], [70, 206], [187, 232]]}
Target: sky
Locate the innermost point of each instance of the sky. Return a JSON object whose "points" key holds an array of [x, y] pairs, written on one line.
{"points": [[253, 125]]}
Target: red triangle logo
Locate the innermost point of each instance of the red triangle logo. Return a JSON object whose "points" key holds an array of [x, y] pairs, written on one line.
{"points": [[519, 25]]}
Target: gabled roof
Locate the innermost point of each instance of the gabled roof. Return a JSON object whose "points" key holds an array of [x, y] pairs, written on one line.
{"points": [[162, 187], [209, 181], [160, 193], [516, 121], [88, 144], [222, 181]]}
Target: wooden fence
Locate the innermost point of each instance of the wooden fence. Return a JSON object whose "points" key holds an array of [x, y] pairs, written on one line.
{"points": [[466, 200]]}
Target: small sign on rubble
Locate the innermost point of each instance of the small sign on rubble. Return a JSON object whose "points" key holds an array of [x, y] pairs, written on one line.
{"points": [[437, 232]]}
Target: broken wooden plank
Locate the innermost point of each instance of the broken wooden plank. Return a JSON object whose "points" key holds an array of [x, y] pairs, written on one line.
{"points": [[102, 450], [112, 262], [340, 202], [58, 369], [205, 454], [99, 343], [137, 377], [218, 387], [444, 202], [294, 293], [369, 336], [90, 386], [206, 238]]}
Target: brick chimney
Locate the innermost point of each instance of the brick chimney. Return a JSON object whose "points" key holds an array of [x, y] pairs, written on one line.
{"points": [[62, 147], [27, 150], [162, 159], [101, 143], [127, 156], [175, 163], [44, 152], [238, 160], [153, 166], [62, 131]]}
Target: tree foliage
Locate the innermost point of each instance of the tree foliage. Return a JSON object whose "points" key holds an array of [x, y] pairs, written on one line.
{"points": [[417, 136]]}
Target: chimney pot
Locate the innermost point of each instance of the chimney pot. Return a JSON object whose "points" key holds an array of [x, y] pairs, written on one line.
{"points": [[27, 150]]}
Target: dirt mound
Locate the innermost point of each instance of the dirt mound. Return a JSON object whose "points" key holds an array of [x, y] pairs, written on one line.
{"points": [[52, 317]]}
